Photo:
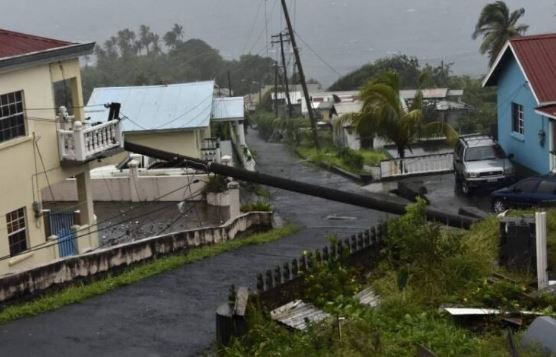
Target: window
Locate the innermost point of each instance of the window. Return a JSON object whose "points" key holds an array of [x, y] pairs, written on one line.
{"points": [[17, 231], [547, 187], [484, 153], [517, 118], [12, 120]]}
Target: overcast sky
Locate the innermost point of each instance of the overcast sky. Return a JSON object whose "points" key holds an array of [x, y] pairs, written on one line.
{"points": [[345, 33]]}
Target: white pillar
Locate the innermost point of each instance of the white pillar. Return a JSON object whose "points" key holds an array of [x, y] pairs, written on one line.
{"points": [[86, 214], [235, 205], [240, 133], [79, 141], [133, 180], [540, 228]]}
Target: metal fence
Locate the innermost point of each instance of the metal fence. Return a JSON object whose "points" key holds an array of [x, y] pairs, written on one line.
{"points": [[417, 165]]}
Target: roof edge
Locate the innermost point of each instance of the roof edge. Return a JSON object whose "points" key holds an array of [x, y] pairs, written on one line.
{"points": [[46, 56]]}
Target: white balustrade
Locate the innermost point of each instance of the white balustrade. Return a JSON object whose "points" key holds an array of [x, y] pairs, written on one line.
{"points": [[82, 144], [416, 165]]}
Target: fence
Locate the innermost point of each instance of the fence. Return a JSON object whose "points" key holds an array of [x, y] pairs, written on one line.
{"points": [[418, 165], [82, 144], [285, 283]]}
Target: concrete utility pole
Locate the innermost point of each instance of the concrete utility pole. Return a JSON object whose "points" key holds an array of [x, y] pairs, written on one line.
{"points": [[230, 94], [275, 89], [301, 76], [285, 69]]}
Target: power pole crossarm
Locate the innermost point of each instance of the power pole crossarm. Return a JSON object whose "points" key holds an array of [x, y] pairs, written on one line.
{"points": [[281, 41], [301, 76]]}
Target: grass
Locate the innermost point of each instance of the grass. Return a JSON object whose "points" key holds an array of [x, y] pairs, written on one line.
{"points": [[78, 293], [328, 156]]}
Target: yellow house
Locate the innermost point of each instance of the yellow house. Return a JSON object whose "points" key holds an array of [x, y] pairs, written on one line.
{"points": [[39, 148]]}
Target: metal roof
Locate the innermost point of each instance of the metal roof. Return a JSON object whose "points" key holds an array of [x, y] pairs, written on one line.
{"points": [[17, 44], [547, 111], [430, 93], [159, 107], [224, 109], [348, 107], [536, 57]]}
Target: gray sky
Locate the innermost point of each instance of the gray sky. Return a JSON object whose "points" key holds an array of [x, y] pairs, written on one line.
{"points": [[346, 33]]}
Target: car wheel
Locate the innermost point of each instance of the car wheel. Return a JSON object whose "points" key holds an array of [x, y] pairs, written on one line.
{"points": [[499, 206]]}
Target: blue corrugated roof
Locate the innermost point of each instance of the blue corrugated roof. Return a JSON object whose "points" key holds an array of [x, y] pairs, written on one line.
{"points": [[228, 108], [158, 107]]}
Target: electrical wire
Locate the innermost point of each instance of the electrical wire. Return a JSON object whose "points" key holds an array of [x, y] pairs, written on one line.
{"points": [[317, 55], [44, 246]]}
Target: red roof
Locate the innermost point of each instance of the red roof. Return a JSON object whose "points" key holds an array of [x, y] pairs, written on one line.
{"points": [[537, 56], [16, 43], [549, 110]]}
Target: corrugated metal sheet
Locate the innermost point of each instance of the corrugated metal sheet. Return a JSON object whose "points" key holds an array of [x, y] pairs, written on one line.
{"points": [[16, 43], [537, 55], [228, 108], [368, 297], [160, 107], [296, 313]]}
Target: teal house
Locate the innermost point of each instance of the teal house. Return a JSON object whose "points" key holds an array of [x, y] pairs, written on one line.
{"points": [[525, 75]]}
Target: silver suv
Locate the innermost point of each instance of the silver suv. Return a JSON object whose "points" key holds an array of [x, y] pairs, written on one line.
{"points": [[479, 162]]}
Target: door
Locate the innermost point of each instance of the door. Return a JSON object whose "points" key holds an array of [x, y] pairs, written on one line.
{"points": [[60, 225], [552, 143]]}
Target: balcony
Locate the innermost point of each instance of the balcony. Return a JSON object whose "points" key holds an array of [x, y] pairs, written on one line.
{"points": [[80, 143], [210, 150]]}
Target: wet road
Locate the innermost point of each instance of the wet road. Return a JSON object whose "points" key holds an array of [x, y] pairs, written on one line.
{"points": [[173, 314]]}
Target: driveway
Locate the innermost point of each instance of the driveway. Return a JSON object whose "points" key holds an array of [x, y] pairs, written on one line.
{"points": [[174, 314]]}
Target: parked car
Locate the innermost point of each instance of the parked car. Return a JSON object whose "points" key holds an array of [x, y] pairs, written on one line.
{"points": [[479, 162], [529, 192]]}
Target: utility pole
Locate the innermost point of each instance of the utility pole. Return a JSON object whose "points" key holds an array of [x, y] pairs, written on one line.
{"points": [[285, 69], [275, 89], [301, 76], [230, 85]]}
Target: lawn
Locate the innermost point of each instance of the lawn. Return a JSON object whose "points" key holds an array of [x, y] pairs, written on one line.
{"points": [[77, 293]]}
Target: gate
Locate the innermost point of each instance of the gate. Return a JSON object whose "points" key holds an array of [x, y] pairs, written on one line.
{"points": [[60, 225]]}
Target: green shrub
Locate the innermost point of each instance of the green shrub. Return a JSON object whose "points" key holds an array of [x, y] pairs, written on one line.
{"points": [[216, 184], [257, 206], [351, 158]]}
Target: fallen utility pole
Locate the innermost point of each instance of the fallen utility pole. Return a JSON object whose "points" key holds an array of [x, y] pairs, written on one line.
{"points": [[301, 76], [281, 40], [375, 203]]}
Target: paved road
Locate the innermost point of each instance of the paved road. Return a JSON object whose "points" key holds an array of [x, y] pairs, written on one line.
{"points": [[173, 314]]}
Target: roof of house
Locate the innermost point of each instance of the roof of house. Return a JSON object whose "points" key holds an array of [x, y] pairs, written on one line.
{"points": [[182, 106], [225, 109], [429, 93], [19, 48], [536, 57], [348, 107]]}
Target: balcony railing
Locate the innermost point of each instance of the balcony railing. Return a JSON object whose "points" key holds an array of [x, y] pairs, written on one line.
{"points": [[210, 150], [419, 165], [82, 144]]}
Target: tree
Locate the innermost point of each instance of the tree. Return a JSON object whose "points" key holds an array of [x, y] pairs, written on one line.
{"points": [[172, 37], [497, 25], [386, 115]]}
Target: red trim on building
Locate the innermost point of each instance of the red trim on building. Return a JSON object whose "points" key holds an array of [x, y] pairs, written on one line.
{"points": [[17, 44]]}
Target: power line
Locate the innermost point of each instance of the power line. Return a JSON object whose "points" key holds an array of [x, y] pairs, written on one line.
{"points": [[43, 246], [317, 55], [248, 37]]}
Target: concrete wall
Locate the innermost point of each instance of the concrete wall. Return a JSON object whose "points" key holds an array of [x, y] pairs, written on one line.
{"points": [[21, 170], [528, 152], [146, 188], [102, 261], [186, 143]]}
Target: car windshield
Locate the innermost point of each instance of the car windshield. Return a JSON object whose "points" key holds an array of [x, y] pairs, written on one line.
{"points": [[484, 153]]}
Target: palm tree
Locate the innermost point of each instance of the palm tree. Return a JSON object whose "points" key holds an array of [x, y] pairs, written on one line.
{"points": [[386, 115], [497, 26]]}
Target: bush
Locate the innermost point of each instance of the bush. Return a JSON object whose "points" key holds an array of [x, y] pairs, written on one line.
{"points": [[257, 206], [216, 184], [351, 158]]}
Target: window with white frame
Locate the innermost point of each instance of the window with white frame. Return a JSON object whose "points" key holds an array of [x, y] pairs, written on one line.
{"points": [[17, 231], [12, 118], [517, 118]]}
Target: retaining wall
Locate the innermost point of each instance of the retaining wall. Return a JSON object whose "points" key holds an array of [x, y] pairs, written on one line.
{"points": [[90, 265]]}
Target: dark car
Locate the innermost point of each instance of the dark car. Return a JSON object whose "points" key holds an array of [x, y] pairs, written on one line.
{"points": [[529, 192]]}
